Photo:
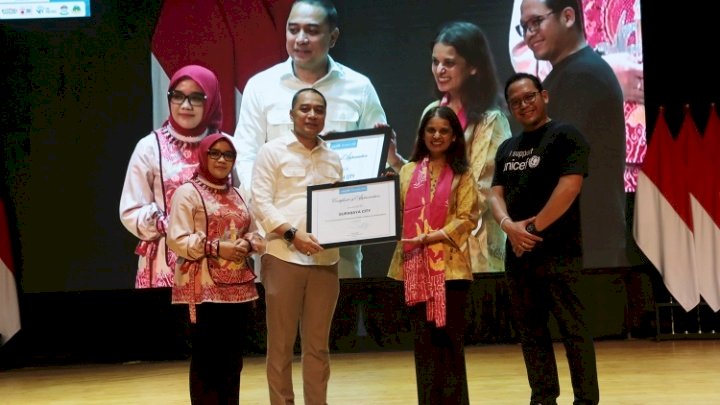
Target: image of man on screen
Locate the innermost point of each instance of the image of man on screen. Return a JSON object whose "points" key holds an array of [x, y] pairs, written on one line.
{"points": [[353, 103], [613, 30], [586, 94]]}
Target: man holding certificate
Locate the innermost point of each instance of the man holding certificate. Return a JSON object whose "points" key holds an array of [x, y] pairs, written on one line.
{"points": [[300, 277]]}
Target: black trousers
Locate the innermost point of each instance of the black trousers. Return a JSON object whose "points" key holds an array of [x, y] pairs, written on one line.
{"points": [[217, 353], [534, 295], [440, 352]]}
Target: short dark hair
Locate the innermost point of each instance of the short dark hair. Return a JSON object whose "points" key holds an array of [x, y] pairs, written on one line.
{"points": [[331, 14], [559, 5], [519, 76], [456, 155], [299, 92]]}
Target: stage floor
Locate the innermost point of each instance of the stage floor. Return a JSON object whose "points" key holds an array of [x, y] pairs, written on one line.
{"points": [[632, 372]]}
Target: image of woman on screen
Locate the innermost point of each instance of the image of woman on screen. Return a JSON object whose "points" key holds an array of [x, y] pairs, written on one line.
{"points": [[160, 163], [440, 209], [213, 234], [466, 81]]}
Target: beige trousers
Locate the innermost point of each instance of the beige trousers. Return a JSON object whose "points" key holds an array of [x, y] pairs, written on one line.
{"points": [[303, 296]]}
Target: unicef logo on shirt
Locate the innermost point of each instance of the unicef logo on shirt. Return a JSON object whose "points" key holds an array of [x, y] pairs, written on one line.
{"points": [[534, 161]]}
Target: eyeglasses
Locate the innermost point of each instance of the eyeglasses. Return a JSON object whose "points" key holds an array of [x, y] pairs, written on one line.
{"points": [[526, 99], [178, 97], [533, 25], [215, 155]]}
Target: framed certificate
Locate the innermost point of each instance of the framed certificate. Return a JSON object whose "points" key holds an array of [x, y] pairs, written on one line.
{"points": [[362, 152], [358, 212]]}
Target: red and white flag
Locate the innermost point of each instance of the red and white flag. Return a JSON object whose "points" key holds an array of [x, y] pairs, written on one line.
{"points": [[704, 181], [9, 308], [663, 226]]}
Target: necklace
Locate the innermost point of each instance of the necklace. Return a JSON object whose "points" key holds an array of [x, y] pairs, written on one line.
{"points": [[213, 188], [179, 139]]}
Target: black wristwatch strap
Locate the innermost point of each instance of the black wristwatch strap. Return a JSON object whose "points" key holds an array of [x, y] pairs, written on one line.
{"points": [[289, 235]]}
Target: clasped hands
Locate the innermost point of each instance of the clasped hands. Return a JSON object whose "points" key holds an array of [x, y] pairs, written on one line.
{"points": [[238, 250], [520, 239]]}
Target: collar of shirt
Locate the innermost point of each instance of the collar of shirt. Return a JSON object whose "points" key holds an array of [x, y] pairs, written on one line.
{"points": [[291, 140], [334, 70]]}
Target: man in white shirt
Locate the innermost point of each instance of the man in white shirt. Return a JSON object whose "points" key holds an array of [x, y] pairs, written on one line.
{"points": [[352, 102], [300, 277]]}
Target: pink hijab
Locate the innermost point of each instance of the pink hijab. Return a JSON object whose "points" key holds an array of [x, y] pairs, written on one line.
{"points": [[203, 158], [208, 82]]}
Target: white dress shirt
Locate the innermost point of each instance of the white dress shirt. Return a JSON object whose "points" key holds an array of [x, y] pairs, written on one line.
{"points": [[352, 103], [283, 170]]}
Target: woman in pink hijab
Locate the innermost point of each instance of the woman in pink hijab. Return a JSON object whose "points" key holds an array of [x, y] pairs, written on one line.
{"points": [[161, 162], [212, 232]]}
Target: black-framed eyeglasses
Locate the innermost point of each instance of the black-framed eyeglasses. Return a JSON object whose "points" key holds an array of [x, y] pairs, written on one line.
{"points": [[178, 97], [532, 25], [528, 98], [216, 154]]}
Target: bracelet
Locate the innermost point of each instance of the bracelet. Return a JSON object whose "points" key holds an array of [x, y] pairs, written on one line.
{"points": [[424, 238], [506, 218]]}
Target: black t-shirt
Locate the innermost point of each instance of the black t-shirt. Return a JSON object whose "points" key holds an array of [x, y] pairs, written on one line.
{"points": [[528, 166], [585, 93]]}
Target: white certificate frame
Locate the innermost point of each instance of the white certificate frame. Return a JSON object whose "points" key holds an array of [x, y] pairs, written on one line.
{"points": [[362, 152], [358, 212]]}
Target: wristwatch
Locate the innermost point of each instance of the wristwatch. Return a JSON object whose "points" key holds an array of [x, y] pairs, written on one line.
{"points": [[531, 228], [289, 235]]}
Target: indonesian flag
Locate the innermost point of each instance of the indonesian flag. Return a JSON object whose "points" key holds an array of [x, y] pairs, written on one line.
{"points": [[234, 39], [663, 225], [9, 309], [705, 199]]}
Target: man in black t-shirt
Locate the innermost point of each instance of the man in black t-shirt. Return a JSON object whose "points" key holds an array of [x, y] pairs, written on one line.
{"points": [[535, 198]]}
